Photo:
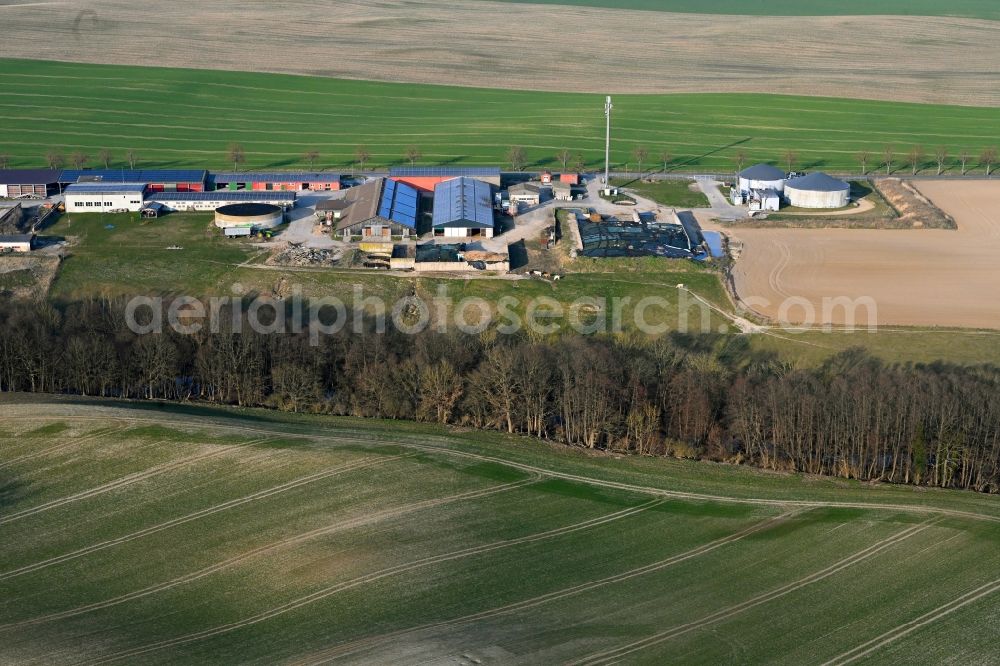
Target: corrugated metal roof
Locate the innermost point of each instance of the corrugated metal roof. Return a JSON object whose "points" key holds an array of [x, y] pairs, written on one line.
{"points": [[105, 188], [28, 176], [276, 177], [818, 182], [762, 172], [133, 176], [239, 195], [463, 202], [439, 171]]}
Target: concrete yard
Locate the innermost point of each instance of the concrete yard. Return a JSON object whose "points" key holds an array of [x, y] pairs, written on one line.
{"points": [[923, 277]]}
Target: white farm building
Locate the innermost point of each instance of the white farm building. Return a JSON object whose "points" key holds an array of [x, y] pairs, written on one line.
{"points": [[817, 190], [104, 197], [762, 177]]}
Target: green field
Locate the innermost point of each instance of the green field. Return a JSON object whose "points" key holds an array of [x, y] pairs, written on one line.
{"points": [[187, 118], [131, 534], [676, 193], [114, 254], [983, 9]]}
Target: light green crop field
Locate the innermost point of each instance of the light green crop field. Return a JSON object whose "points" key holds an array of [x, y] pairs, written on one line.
{"points": [[191, 535], [981, 9], [187, 118]]}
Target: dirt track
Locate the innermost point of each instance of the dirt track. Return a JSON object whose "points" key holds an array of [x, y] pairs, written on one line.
{"points": [[524, 46], [923, 277]]}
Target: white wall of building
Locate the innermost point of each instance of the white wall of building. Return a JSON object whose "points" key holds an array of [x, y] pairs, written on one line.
{"points": [[747, 184], [18, 246], [98, 203]]}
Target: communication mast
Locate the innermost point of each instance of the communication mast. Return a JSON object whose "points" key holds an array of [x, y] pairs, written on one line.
{"points": [[607, 140]]}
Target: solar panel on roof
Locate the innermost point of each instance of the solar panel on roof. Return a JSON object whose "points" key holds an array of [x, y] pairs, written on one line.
{"points": [[133, 176], [104, 188], [277, 177], [463, 202], [223, 196]]}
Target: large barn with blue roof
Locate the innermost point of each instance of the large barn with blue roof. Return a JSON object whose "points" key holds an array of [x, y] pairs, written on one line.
{"points": [[379, 210], [463, 208]]}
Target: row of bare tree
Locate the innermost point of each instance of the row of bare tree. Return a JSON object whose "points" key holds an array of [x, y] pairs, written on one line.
{"points": [[916, 159], [698, 397]]}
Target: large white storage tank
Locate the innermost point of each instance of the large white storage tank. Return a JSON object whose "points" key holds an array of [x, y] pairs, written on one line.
{"points": [[762, 177], [250, 215], [817, 190]]}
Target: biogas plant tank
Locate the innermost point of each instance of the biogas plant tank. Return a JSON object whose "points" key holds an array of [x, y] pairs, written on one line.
{"points": [[256, 215]]}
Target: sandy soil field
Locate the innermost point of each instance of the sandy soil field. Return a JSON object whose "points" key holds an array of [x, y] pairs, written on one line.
{"points": [[537, 47], [922, 277]]}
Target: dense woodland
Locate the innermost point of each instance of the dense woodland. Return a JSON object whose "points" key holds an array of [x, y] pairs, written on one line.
{"points": [[697, 397]]}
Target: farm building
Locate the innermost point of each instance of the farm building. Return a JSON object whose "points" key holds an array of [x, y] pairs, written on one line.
{"points": [[762, 200], [426, 178], [249, 216], [282, 182], [379, 210], [463, 208], [28, 183], [210, 201], [331, 210], [817, 190], [157, 180], [17, 243], [562, 191], [104, 197], [525, 193], [761, 177]]}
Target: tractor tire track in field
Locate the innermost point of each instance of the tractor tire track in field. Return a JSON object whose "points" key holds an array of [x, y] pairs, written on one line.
{"points": [[902, 630], [616, 654], [283, 543], [355, 646], [201, 513], [125, 481], [319, 595], [104, 432], [617, 485]]}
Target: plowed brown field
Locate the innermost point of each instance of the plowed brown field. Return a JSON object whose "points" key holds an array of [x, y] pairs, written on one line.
{"points": [[524, 46], [920, 277]]}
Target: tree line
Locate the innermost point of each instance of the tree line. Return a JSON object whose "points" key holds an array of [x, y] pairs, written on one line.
{"points": [[916, 158], [694, 397]]}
